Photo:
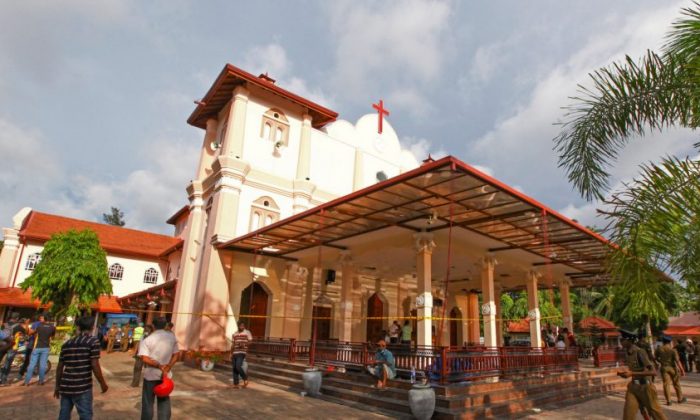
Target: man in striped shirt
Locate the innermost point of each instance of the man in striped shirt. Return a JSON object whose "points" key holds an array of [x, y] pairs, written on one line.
{"points": [[240, 338], [79, 360]]}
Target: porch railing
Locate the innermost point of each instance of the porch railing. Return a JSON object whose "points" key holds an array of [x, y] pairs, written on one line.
{"points": [[608, 356], [440, 364]]}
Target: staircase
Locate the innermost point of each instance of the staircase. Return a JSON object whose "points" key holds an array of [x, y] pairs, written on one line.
{"points": [[503, 399]]}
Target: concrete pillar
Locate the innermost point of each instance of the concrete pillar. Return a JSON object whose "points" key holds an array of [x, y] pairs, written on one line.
{"points": [[235, 134], [424, 300], [533, 308], [306, 322], [189, 267], [473, 318], [488, 306], [358, 173], [8, 256], [304, 161], [498, 291], [564, 291], [346, 301], [206, 156], [462, 302], [293, 307]]}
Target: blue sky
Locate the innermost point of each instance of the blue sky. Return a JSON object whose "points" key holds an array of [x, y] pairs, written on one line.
{"points": [[95, 94]]}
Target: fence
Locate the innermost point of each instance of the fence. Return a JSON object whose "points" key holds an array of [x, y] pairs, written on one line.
{"points": [[441, 364], [608, 356]]}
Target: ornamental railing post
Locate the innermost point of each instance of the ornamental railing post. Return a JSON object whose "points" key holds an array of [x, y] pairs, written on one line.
{"points": [[364, 356], [444, 367], [292, 349]]}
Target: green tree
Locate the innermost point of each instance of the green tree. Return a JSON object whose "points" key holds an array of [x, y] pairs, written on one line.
{"points": [[654, 218], [72, 273], [115, 217]]}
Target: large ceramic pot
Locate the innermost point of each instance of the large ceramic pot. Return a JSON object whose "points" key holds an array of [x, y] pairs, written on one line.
{"points": [[207, 365], [421, 400], [312, 381]]}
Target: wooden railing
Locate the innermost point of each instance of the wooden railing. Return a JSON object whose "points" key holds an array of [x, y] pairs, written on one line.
{"points": [[608, 356], [441, 364]]}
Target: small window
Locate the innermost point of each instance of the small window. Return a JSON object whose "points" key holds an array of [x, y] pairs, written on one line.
{"points": [[32, 261], [275, 127], [151, 276], [264, 212], [116, 271]]}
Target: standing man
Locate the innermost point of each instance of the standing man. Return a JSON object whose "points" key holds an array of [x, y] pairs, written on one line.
{"points": [[640, 391], [406, 332], [16, 332], [394, 331], [570, 337], [111, 337], [671, 370], [690, 351], [697, 355], [138, 335], [28, 346], [138, 363], [79, 360], [126, 331], [43, 334], [159, 353], [385, 367], [680, 348], [240, 339]]}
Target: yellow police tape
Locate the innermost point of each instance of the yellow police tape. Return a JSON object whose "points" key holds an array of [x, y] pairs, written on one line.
{"points": [[390, 318]]}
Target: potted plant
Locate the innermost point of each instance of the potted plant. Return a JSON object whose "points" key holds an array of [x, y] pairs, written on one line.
{"points": [[207, 360]]}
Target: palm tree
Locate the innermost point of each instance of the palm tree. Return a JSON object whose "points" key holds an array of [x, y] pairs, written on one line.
{"points": [[655, 217]]}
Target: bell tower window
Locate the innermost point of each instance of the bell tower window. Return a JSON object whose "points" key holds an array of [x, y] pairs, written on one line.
{"points": [[275, 127], [263, 212]]}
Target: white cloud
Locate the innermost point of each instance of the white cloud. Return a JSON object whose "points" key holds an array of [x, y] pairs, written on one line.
{"points": [[519, 147], [408, 40], [421, 147], [269, 58]]}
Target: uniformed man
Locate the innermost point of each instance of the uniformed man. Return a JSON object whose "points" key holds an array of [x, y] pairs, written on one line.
{"points": [[126, 331], [640, 391], [671, 370], [643, 344], [111, 337]]}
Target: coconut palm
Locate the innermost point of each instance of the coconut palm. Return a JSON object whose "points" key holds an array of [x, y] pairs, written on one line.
{"points": [[653, 218]]}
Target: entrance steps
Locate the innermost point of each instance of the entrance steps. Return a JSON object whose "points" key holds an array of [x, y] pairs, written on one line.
{"points": [[503, 399]]}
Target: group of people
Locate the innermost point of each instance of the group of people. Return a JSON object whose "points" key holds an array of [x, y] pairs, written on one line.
{"points": [[558, 338], [30, 338], [644, 365], [156, 353], [398, 334]]}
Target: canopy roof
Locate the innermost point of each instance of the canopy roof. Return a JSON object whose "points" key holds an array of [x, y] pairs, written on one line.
{"points": [[427, 198]]}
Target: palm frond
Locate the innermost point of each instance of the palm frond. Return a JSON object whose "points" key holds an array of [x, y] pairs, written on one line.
{"points": [[625, 100]]}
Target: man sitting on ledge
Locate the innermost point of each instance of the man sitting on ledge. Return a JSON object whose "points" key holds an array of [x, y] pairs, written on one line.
{"points": [[384, 367]]}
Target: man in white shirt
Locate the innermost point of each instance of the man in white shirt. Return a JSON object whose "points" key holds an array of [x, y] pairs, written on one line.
{"points": [[159, 353]]}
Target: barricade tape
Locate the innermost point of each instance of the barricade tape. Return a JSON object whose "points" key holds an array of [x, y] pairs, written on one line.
{"points": [[372, 318]]}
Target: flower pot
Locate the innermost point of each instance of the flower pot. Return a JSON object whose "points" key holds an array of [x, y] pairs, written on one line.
{"points": [[421, 400], [312, 381], [206, 365]]}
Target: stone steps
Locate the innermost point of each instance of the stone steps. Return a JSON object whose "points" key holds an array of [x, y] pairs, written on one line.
{"points": [[506, 398]]}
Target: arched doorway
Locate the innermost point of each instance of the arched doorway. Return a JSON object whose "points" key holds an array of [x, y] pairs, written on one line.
{"points": [[254, 302], [455, 317], [375, 308]]}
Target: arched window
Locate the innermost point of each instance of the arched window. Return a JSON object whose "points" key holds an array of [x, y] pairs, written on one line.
{"points": [[32, 261], [116, 271], [263, 212], [151, 276], [275, 127]]}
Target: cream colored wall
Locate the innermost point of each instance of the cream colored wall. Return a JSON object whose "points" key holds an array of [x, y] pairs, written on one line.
{"points": [[131, 282]]}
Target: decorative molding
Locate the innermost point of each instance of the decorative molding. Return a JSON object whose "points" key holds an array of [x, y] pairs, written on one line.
{"points": [[424, 300], [489, 261], [345, 258], [533, 314], [424, 242], [488, 309]]}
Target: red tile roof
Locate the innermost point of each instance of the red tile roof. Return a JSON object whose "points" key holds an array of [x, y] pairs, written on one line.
{"points": [[114, 239], [15, 297], [682, 330], [685, 319], [522, 326], [598, 322]]}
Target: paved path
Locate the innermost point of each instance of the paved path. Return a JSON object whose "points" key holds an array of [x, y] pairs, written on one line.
{"points": [[611, 407], [198, 395], [202, 395]]}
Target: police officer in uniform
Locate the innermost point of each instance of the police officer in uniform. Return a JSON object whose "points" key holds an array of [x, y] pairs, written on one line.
{"points": [[671, 370], [640, 391]]}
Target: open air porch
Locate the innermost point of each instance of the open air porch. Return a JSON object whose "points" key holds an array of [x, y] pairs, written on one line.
{"points": [[436, 246]]}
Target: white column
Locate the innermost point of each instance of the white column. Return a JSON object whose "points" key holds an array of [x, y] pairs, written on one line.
{"points": [[564, 291], [346, 297], [498, 291], [305, 333], [424, 300], [488, 307], [358, 171], [304, 161], [533, 309], [235, 133]]}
